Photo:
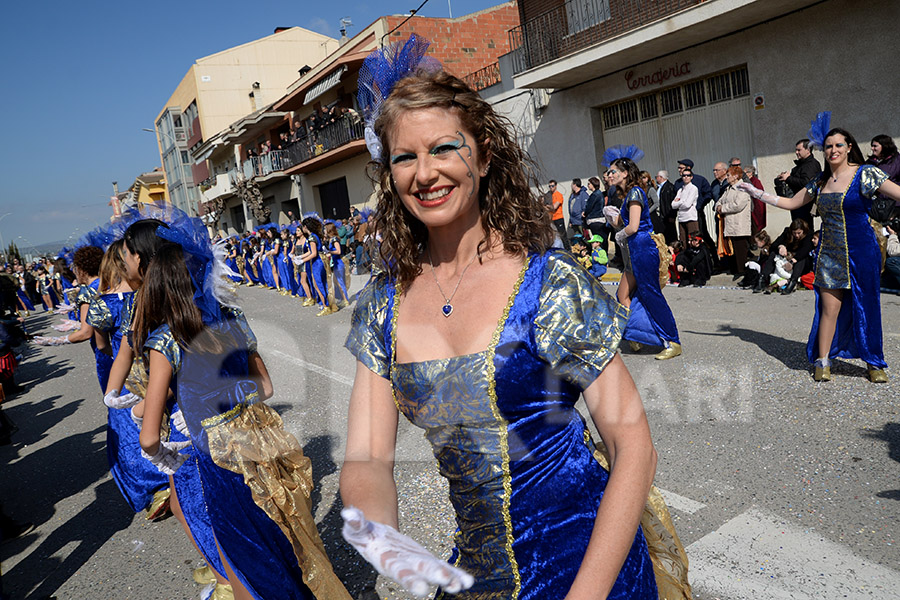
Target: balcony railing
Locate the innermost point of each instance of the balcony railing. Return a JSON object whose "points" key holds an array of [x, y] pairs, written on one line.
{"points": [[343, 131], [484, 77], [265, 164], [219, 185], [579, 24]]}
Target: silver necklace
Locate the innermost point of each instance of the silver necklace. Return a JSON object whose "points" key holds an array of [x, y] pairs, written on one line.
{"points": [[447, 308]]}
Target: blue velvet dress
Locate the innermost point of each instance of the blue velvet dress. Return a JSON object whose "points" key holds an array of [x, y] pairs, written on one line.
{"points": [[256, 482], [136, 477], [339, 271], [231, 262], [849, 259], [86, 295], [187, 478], [265, 265], [250, 267], [286, 268], [525, 478], [651, 321], [315, 271]]}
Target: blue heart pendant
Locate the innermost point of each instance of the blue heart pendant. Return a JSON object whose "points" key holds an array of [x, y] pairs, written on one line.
{"points": [[447, 309]]}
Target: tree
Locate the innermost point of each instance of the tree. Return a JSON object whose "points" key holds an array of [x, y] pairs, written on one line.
{"points": [[13, 252]]}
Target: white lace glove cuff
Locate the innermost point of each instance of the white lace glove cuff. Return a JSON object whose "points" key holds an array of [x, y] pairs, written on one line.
{"points": [[621, 237], [400, 557], [168, 457], [179, 424], [756, 193], [139, 421], [114, 400], [51, 341], [612, 215]]}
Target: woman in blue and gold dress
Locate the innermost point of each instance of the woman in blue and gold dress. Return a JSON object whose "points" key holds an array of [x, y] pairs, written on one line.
{"points": [[256, 480], [485, 337], [847, 320], [142, 485], [650, 321]]}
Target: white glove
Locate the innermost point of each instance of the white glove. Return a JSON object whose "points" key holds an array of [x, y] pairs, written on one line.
{"points": [[168, 457], [621, 237], [612, 215], [51, 341], [67, 325], [756, 193], [179, 424], [401, 558], [139, 421], [114, 400], [297, 260], [62, 309]]}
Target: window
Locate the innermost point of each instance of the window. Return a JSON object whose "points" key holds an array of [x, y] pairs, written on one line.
{"points": [[719, 88], [611, 117], [629, 112], [176, 121], [740, 83], [671, 101], [649, 107], [693, 95]]}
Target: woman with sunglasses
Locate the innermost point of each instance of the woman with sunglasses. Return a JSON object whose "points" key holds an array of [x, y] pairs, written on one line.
{"points": [[686, 203]]}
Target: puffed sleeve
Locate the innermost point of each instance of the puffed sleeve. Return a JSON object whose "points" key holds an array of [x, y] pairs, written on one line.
{"points": [[578, 325], [244, 327], [370, 329], [635, 195], [85, 295], [99, 316], [870, 179], [164, 342], [812, 189]]}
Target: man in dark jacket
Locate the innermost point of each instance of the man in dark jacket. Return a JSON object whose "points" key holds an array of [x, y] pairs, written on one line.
{"points": [[805, 170], [666, 192], [577, 201]]}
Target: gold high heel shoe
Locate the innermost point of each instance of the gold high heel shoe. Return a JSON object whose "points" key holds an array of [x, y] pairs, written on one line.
{"points": [[159, 506], [203, 575], [877, 376], [822, 372], [309, 302], [671, 351], [326, 311], [222, 592]]}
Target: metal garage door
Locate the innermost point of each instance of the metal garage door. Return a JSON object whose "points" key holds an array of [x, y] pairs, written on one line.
{"points": [[707, 120]]}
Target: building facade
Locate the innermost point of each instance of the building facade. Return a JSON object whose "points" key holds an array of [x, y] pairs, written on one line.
{"points": [[305, 152], [221, 88], [701, 79]]}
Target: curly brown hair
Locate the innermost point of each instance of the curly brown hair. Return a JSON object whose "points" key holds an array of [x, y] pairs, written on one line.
{"points": [[87, 259], [509, 208], [632, 176]]}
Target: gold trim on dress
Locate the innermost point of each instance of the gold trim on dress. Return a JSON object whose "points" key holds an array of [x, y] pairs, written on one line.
{"points": [[844, 228], [227, 416], [504, 424], [395, 313]]}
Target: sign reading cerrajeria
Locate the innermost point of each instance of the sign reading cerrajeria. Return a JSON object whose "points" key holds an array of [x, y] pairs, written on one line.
{"points": [[658, 77]]}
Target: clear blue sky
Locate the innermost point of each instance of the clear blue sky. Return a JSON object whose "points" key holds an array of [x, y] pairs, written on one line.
{"points": [[81, 79]]}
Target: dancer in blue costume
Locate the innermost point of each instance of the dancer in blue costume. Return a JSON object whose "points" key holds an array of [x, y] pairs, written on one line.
{"points": [[338, 268], [251, 261], [186, 500], [274, 251], [256, 480], [142, 485], [231, 260], [847, 320], [86, 265], [300, 250], [265, 265], [650, 321], [312, 263], [485, 337], [284, 264]]}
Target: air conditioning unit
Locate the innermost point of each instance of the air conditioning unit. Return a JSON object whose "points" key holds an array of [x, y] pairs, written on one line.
{"points": [[541, 100]]}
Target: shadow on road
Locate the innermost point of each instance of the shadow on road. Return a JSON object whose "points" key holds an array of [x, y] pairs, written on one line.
{"points": [[890, 433], [356, 574]]}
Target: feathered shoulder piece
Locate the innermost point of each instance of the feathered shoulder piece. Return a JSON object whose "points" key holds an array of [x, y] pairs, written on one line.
{"points": [[614, 153], [380, 72]]}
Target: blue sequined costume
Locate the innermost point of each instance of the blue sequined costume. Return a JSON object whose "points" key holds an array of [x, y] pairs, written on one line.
{"points": [[315, 271], [525, 478], [339, 270], [286, 268], [849, 259], [86, 295], [136, 477], [651, 321], [255, 479]]}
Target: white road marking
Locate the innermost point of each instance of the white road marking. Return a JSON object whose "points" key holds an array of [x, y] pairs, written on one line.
{"points": [[680, 503], [757, 555], [313, 367]]}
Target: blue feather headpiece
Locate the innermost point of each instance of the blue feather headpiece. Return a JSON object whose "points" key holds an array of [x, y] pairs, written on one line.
{"points": [[616, 152], [818, 128], [365, 214], [380, 72]]}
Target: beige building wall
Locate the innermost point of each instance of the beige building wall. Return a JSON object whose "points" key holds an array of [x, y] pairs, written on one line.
{"points": [[359, 186]]}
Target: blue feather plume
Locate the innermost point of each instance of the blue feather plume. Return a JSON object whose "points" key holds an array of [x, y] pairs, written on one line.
{"points": [[614, 153], [818, 128]]}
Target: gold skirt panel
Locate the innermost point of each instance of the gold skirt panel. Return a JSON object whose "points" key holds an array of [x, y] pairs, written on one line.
{"points": [[255, 445]]}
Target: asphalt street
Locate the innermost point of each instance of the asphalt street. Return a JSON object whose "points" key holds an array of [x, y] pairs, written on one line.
{"points": [[780, 487]]}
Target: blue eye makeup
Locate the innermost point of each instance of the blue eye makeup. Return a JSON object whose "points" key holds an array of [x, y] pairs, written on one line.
{"points": [[399, 158], [446, 147]]}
